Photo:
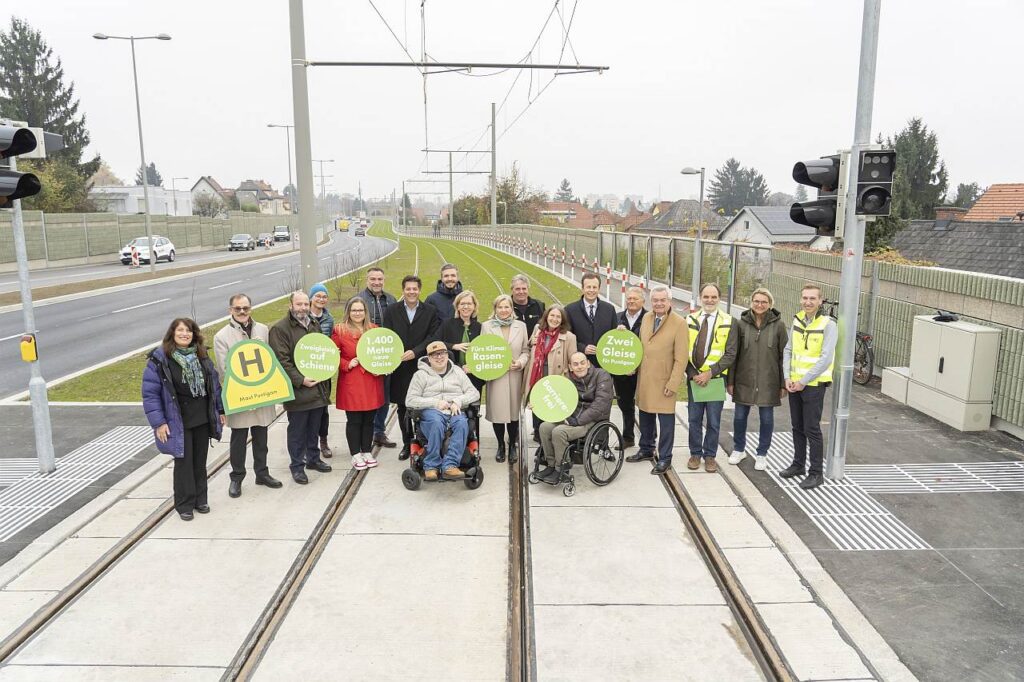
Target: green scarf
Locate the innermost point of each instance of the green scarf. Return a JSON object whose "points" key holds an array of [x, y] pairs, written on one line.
{"points": [[503, 323], [191, 370]]}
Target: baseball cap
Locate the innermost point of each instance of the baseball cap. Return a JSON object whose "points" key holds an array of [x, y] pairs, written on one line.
{"points": [[436, 346]]}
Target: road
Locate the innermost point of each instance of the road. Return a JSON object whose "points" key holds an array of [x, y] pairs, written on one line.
{"points": [[76, 334]]}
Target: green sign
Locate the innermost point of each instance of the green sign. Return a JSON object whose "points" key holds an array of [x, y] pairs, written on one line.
{"points": [[316, 357], [253, 378], [380, 351], [619, 351], [488, 357], [554, 398]]}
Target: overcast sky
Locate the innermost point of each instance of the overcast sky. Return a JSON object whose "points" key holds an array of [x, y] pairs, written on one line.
{"points": [[692, 82]]}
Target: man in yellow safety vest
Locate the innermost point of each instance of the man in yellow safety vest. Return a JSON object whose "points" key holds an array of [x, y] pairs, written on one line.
{"points": [[712, 350], [807, 366]]}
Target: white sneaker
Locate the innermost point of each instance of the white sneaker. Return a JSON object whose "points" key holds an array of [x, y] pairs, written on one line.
{"points": [[369, 460], [737, 457], [761, 463], [358, 463]]}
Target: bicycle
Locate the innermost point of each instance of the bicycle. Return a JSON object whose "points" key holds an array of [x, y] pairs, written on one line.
{"points": [[863, 354]]}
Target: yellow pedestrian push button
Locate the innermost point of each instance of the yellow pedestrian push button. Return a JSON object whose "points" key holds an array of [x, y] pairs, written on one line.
{"points": [[28, 348]]}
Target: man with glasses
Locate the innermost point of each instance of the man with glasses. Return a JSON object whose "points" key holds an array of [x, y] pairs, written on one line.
{"points": [[377, 300], [240, 327], [321, 316]]}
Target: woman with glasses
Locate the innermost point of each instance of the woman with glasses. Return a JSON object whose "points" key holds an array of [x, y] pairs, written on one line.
{"points": [[459, 331], [360, 393], [756, 379], [505, 394]]}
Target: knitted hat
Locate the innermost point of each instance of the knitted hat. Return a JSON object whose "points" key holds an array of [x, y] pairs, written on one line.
{"points": [[316, 289]]}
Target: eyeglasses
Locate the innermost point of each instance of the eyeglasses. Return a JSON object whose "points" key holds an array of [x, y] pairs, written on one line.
{"points": [[241, 308], [759, 302], [437, 354]]}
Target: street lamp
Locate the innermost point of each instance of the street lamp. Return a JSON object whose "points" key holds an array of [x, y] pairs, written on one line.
{"points": [[697, 255], [288, 138], [504, 207], [142, 149], [174, 194]]}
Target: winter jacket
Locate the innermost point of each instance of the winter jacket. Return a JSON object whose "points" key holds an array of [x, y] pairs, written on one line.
{"points": [[505, 394], [596, 392], [283, 337], [557, 361], [757, 376], [376, 305], [358, 390], [161, 405], [415, 337], [227, 337], [325, 321], [450, 333], [444, 300], [529, 314], [664, 364], [427, 387]]}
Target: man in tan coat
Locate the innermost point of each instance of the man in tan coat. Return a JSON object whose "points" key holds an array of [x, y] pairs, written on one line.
{"points": [[663, 334], [241, 326]]}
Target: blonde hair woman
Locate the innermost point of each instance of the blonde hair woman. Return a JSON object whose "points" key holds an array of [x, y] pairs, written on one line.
{"points": [[459, 331], [505, 394]]}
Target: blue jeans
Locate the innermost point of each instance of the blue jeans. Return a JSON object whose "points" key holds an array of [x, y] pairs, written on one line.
{"points": [[766, 421], [433, 424], [661, 426], [382, 413], [696, 412]]}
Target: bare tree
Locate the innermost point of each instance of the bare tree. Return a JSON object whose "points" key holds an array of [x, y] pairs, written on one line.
{"points": [[292, 281]]}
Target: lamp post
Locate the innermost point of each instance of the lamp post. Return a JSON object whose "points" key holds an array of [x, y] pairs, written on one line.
{"points": [[504, 213], [288, 139], [174, 193], [697, 255], [142, 149]]}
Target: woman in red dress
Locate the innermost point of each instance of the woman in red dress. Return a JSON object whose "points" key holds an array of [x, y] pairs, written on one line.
{"points": [[359, 392]]}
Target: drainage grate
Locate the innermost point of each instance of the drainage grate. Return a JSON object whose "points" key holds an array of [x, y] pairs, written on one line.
{"points": [[979, 477]]}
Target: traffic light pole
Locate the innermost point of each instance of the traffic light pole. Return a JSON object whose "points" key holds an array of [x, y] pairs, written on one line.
{"points": [[303, 147], [853, 247], [36, 385]]}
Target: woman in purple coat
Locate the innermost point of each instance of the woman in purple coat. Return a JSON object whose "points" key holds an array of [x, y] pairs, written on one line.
{"points": [[181, 398]]}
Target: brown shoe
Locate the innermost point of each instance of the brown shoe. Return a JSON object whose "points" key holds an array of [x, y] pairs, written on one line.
{"points": [[430, 474], [693, 462], [710, 465], [325, 449], [454, 472]]}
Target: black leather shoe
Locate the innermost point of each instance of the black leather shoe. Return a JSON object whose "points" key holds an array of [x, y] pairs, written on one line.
{"points": [[500, 455], [628, 442], [791, 471], [812, 481], [404, 454], [661, 468], [641, 457], [235, 489], [203, 508], [383, 441], [300, 477], [549, 475], [513, 453], [186, 516], [319, 465], [268, 481]]}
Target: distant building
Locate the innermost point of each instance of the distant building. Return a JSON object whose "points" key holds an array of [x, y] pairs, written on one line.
{"points": [[116, 199], [999, 203], [771, 225], [949, 241], [568, 213], [681, 217], [259, 193]]}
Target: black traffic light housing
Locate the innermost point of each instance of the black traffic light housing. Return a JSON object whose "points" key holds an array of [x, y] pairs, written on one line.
{"points": [[874, 182], [827, 175], [13, 185]]}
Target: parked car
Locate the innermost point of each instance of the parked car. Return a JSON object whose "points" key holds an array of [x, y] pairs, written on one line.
{"points": [[282, 233], [242, 242], [265, 239], [164, 249], [359, 231]]}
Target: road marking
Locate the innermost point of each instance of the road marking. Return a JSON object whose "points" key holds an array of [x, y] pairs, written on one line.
{"points": [[141, 305], [220, 286], [268, 274]]}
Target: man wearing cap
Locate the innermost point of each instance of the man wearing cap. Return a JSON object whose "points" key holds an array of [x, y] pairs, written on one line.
{"points": [[441, 391], [321, 317]]}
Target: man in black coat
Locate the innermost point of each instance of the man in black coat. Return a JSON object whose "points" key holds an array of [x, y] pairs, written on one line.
{"points": [[591, 317], [416, 323], [625, 384], [448, 287], [527, 310], [377, 300]]}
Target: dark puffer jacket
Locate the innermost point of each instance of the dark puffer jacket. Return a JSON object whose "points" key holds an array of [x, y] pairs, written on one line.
{"points": [[444, 300], [756, 375], [596, 392], [160, 403]]}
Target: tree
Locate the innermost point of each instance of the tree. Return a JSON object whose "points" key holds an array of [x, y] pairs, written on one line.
{"points": [[207, 205], [153, 177], [564, 192], [471, 210], [967, 194], [780, 199], [628, 206], [63, 190], [105, 177], [800, 195], [523, 202], [598, 205], [734, 187]]}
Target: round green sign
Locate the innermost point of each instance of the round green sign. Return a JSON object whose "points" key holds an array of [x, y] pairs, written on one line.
{"points": [[619, 351], [488, 357], [554, 398], [316, 357], [380, 351]]}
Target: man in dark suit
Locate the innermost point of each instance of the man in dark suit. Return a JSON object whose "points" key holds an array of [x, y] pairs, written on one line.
{"points": [[416, 323], [625, 385], [591, 317]]}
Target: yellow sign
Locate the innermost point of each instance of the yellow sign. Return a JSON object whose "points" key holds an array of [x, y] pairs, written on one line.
{"points": [[253, 378], [28, 348]]}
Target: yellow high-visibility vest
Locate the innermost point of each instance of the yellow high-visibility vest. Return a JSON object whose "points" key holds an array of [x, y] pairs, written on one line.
{"points": [[719, 336], [806, 346]]}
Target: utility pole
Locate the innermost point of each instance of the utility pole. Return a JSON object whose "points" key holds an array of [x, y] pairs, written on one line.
{"points": [[303, 147], [494, 173], [451, 193]]}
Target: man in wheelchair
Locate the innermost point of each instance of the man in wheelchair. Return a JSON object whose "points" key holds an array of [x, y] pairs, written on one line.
{"points": [[596, 390], [441, 392]]}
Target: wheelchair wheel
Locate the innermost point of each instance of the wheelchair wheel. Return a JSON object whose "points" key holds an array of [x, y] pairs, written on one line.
{"points": [[603, 453], [411, 480], [533, 478], [569, 489], [477, 480]]}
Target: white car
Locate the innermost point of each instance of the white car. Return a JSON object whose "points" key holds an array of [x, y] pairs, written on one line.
{"points": [[164, 249]]}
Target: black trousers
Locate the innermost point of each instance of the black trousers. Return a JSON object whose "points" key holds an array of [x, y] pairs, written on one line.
{"points": [[259, 451], [625, 393], [190, 470], [406, 428], [805, 409], [303, 427], [359, 430]]}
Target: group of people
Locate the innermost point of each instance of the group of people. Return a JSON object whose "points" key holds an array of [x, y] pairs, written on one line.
{"points": [[755, 357]]}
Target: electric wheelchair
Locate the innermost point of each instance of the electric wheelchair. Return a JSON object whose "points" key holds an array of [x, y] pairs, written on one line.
{"points": [[413, 477], [600, 452]]}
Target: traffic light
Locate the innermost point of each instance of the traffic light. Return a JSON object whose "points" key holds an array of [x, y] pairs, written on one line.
{"points": [[13, 185], [828, 176], [874, 182]]}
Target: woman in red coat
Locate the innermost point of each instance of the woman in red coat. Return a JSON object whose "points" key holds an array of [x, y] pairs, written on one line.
{"points": [[359, 392]]}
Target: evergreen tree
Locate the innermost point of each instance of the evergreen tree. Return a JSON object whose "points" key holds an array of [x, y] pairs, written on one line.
{"points": [[800, 195], [734, 187], [153, 177], [564, 192], [967, 194], [628, 206]]}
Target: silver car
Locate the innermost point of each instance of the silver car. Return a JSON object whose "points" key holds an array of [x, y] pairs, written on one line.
{"points": [[242, 242]]}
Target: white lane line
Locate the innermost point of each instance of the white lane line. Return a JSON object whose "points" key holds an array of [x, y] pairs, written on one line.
{"points": [[219, 286], [268, 274], [141, 305]]}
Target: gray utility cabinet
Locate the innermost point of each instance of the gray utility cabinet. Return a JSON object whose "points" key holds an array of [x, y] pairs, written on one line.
{"points": [[953, 372]]}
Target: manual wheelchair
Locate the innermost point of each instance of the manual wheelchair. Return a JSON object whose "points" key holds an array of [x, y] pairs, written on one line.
{"points": [[600, 452], [413, 477]]}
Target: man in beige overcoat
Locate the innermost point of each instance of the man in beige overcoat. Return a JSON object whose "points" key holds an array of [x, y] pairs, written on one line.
{"points": [[663, 334], [241, 326]]}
